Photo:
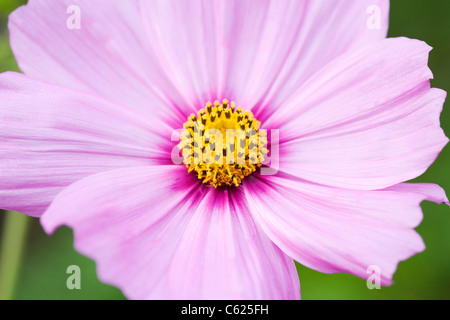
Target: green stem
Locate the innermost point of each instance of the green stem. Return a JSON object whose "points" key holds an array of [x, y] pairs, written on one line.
{"points": [[11, 251]]}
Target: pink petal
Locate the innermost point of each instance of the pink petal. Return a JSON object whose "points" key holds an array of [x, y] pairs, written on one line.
{"points": [[336, 230], [367, 121], [157, 233], [254, 52], [180, 54], [51, 136], [108, 56]]}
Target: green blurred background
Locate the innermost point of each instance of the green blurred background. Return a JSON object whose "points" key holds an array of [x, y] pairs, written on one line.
{"points": [[42, 271]]}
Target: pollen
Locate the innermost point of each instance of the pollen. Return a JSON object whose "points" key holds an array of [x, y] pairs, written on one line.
{"points": [[223, 144]]}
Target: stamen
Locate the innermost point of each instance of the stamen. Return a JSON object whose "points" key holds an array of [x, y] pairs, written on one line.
{"points": [[241, 147]]}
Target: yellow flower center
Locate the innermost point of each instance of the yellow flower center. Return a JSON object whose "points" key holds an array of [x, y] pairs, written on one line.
{"points": [[223, 144]]}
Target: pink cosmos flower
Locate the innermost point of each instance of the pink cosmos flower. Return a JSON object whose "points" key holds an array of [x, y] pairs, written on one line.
{"points": [[86, 140]]}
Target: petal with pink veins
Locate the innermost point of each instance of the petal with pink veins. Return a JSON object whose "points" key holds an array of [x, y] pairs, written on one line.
{"points": [[368, 120], [254, 52], [109, 55], [337, 230], [157, 233], [52, 136], [180, 54]]}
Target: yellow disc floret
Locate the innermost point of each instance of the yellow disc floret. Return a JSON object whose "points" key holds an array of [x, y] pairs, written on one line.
{"points": [[223, 144]]}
